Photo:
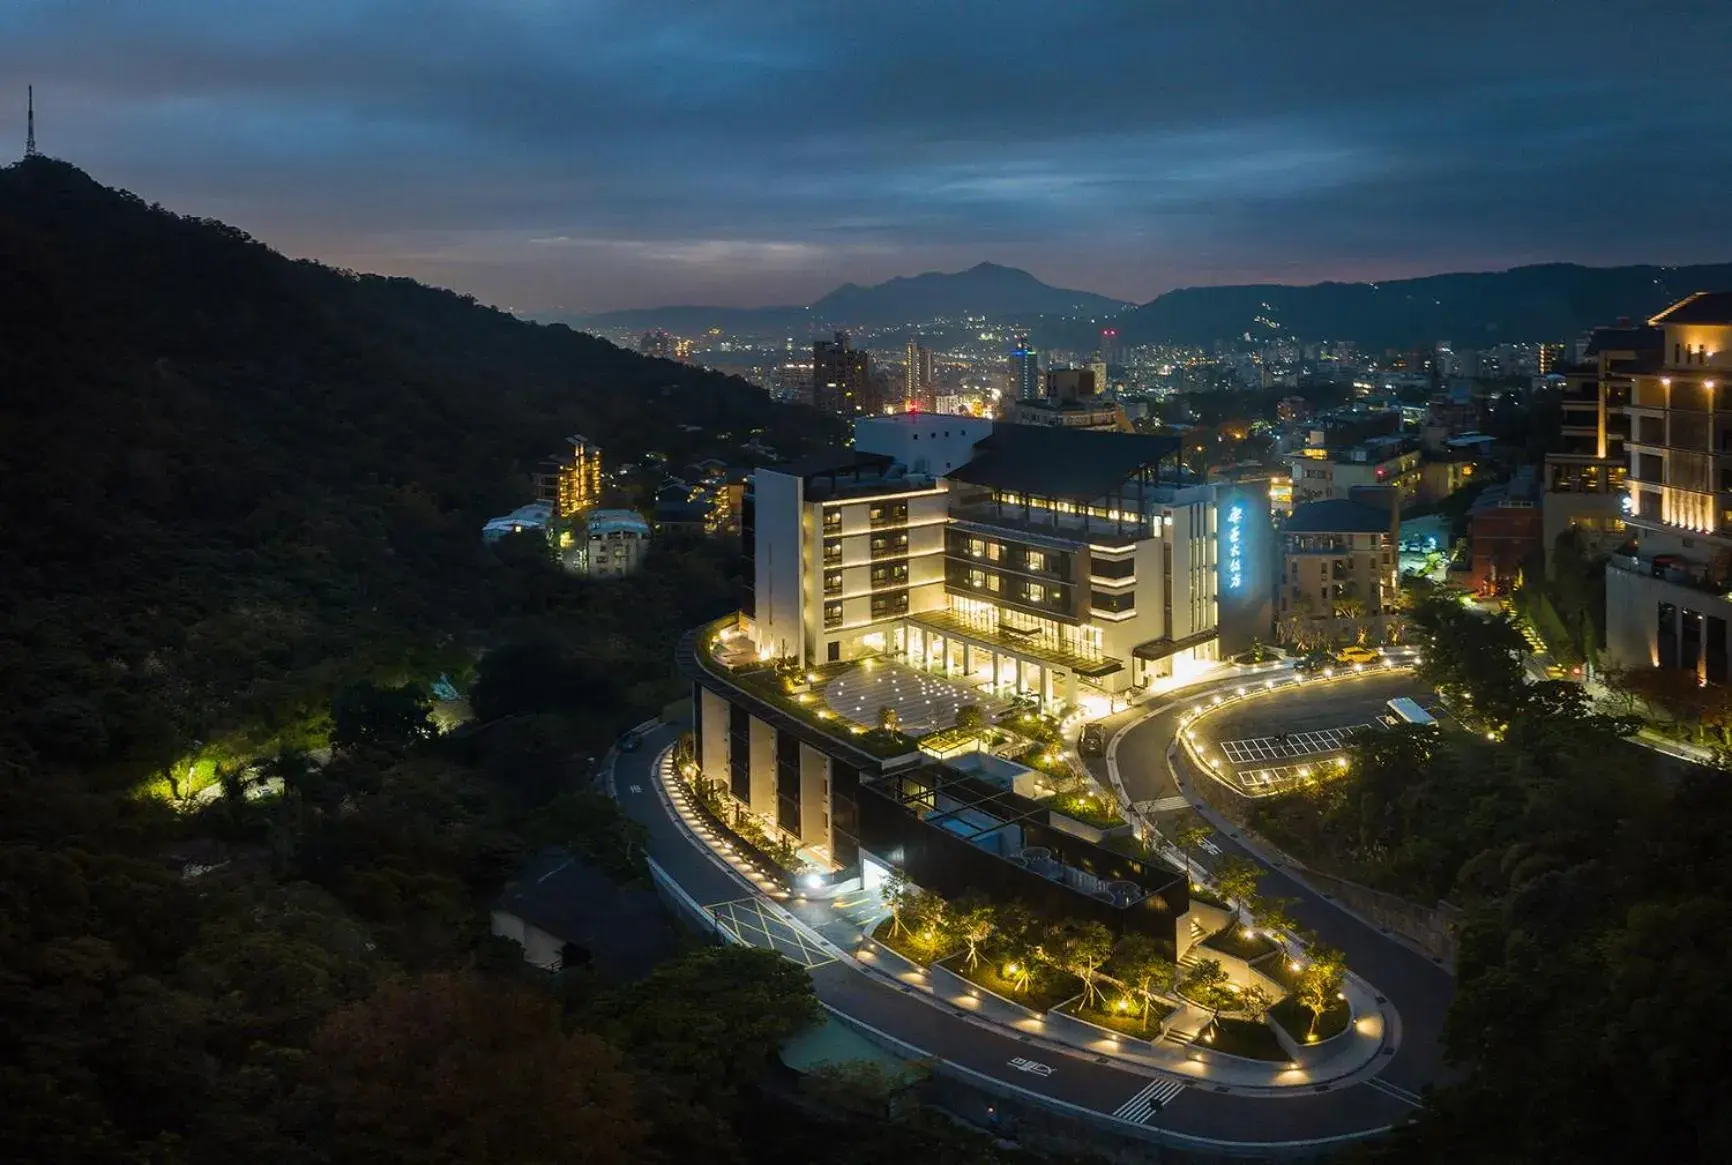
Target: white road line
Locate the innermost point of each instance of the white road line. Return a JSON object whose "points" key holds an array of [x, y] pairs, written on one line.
{"points": [[1396, 1091], [1164, 804], [1152, 1096], [1208, 846]]}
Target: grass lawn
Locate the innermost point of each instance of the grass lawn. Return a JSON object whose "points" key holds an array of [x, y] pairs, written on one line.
{"points": [[905, 944], [1129, 1022], [1241, 1037], [1048, 989], [1295, 1018], [1232, 941]]}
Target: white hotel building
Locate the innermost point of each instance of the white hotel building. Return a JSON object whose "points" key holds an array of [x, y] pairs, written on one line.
{"points": [[1078, 566]]}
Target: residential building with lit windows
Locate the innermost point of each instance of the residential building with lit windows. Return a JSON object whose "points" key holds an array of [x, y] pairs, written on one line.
{"points": [[571, 482], [1320, 474], [1668, 604], [1339, 564], [1072, 400], [1586, 480]]}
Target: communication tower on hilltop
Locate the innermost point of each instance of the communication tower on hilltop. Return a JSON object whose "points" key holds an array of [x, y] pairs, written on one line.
{"points": [[30, 121]]}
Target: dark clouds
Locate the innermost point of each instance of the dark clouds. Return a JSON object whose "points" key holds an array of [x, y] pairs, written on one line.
{"points": [[615, 152]]}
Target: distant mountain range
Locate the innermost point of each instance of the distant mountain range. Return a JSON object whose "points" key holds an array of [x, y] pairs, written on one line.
{"points": [[986, 289], [1553, 301]]}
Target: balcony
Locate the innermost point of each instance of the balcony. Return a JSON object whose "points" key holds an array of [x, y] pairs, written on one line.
{"points": [[1667, 568], [888, 547]]}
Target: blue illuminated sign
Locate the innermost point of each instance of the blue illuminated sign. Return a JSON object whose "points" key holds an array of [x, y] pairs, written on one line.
{"points": [[1233, 569]]}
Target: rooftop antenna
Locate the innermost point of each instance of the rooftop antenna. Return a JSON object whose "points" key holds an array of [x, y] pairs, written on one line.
{"points": [[30, 121]]}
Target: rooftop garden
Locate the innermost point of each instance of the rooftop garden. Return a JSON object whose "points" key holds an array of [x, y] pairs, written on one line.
{"points": [[1088, 807], [793, 691]]}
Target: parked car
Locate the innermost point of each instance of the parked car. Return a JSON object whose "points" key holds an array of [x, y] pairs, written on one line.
{"points": [[1314, 661], [1094, 740], [1357, 654]]}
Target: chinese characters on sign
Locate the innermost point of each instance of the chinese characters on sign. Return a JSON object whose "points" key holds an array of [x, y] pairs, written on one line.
{"points": [[1234, 568]]}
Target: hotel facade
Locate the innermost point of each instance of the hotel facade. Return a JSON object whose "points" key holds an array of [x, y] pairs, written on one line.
{"points": [[1027, 567], [1670, 603]]}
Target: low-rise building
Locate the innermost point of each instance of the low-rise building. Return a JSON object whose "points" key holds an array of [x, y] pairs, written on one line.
{"points": [[535, 517], [1504, 531], [1339, 567], [1321, 474], [606, 544]]}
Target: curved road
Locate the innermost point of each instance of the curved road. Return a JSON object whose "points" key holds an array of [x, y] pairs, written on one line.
{"points": [[1417, 985], [1274, 1121]]}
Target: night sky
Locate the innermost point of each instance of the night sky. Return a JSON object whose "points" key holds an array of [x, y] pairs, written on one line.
{"points": [[596, 155]]}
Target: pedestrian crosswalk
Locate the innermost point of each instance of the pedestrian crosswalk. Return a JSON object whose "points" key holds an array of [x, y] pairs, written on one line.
{"points": [[1164, 805], [1153, 1097]]}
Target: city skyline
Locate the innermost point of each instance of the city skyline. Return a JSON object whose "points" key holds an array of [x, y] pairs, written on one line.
{"points": [[601, 156]]}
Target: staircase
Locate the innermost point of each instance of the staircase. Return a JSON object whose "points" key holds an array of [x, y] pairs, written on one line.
{"points": [[1198, 934]]}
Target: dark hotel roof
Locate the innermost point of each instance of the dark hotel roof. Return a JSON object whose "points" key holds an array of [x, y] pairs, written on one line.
{"points": [[1702, 307], [1058, 462], [831, 461], [1338, 516]]}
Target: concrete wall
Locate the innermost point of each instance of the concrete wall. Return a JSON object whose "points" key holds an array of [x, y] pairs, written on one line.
{"points": [[814, 796], [763, 745], [1633, 613], [713, 748], [778, 583], [925, 442]]}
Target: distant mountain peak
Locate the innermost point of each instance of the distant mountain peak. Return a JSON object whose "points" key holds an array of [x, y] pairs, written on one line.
{"points": [[987, 289]]}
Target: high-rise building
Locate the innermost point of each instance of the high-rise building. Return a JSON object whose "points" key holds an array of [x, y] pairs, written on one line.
{"points": [[1110, 351], [1666, 605], [842, 377], [1024, 371], [919, 385]]}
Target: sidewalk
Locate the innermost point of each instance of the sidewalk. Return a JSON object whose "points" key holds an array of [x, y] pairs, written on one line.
{"points": [[800, 928]]}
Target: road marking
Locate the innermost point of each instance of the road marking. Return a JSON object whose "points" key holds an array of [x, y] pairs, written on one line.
{"points": [[1209, 847], [1153, 1097], [1164, 805], [1023, 1064], [1297, 744], [634, 788], [753, 922], [1397, 1091]]}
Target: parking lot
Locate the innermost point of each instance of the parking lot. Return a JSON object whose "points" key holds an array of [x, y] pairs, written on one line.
{"points": [[1268, 743]]}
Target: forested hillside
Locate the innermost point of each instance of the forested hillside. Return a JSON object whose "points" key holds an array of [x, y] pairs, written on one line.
{"points": [[240, 506], [231, 481]]}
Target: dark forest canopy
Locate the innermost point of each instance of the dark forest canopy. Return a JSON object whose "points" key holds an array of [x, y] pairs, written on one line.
{"points": [[231, 480]]}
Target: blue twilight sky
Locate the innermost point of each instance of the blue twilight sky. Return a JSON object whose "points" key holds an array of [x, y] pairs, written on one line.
{"points": [[596, 154]]}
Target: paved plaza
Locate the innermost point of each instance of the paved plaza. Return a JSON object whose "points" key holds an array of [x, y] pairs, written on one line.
{"points": [[923, 703]]}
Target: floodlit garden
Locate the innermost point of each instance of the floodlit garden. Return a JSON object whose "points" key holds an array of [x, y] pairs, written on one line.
{"points": [[1131, 984]]}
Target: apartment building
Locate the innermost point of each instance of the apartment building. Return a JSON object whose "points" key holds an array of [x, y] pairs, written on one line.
{"points": [[1585, 483], [1339, 566], [1321, 474], [1667, 605], [1072, 400]]}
